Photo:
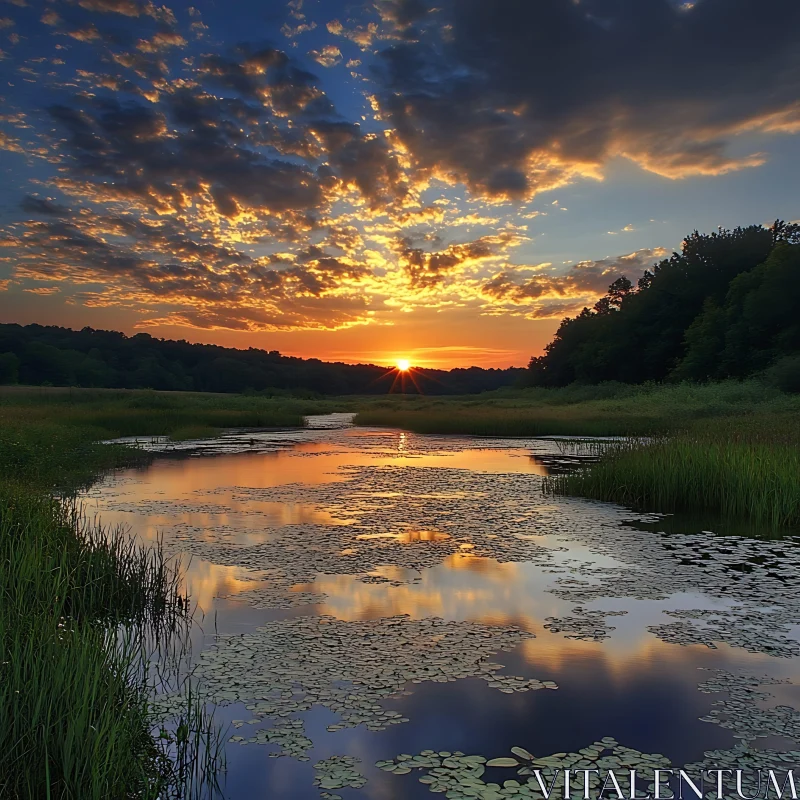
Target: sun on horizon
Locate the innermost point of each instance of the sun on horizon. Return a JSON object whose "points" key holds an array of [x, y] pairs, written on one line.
{"points": [[403, 364]]}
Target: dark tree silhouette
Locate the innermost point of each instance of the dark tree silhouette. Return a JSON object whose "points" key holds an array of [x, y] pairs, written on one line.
{"points": [[722, 307], [35, 354]]}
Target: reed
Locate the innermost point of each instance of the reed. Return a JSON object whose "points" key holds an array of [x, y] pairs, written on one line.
{"points": [[78, 605], [743, 469]]}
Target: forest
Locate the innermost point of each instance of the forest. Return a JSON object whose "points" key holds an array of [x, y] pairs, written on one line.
{"points": [[51, 356], [726, 306]]}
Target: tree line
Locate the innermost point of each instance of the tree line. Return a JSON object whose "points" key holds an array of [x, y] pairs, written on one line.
{"points": [[726, 306], [54, 356]]}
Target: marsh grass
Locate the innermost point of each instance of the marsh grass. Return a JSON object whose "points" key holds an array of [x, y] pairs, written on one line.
{"points": [[49, 455], [79, 604], [744, 468], [188, 432], [99, 573], [78, 723], [114, 413], [604, 410], [508, 421]]}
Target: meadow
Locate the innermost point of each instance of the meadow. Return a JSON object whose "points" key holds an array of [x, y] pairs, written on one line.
{"points": [[111, 413], [609, 409]]}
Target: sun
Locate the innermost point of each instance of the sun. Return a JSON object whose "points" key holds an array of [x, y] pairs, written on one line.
{"points": [[403, 364]]}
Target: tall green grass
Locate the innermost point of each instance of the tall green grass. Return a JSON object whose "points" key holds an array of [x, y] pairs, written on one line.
{"points": [[77, 722], [745, 468], [78, 606], [54, 455]]}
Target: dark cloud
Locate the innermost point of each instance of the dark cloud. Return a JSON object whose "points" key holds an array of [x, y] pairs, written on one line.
{"points": [[328, 56], [269, 76], [361, 161], [425, 269], [513, 96], [345, 237], [149, 67], [117, 24], [253, 132], [165, 172], [161, 40], [404, 12], [36, 205], [129, 151], [128, 8], [220, 182]]}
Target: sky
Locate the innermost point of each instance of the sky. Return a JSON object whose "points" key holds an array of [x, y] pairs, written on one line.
{"points": [[437, 180]]}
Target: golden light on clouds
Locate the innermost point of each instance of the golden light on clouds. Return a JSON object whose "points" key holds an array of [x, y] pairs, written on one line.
{"points": [[238, 194]]}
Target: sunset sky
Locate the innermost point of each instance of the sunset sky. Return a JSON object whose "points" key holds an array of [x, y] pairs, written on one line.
{"points": [[438, 180]]}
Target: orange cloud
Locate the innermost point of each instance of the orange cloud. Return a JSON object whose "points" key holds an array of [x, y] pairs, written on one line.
{"points": [[542, 292]]}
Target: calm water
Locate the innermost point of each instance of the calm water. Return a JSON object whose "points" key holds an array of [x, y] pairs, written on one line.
{"points": [[320, 557]]}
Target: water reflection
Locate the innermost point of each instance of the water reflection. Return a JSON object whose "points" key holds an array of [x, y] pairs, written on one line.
{"points": [[423, 513], [408, 536], [207, 582]]}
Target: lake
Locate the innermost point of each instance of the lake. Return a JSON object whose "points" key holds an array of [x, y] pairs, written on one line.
{"points": [[365, 594]]}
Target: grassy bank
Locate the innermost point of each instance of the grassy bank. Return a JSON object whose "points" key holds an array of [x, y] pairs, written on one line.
{"points": [[728, 448], [76, 603], [108, 413], [744, 468], [505, 421]]}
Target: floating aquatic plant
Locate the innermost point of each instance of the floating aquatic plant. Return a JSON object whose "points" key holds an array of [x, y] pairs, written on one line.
{"points": [[288, 666], [337, 772]]}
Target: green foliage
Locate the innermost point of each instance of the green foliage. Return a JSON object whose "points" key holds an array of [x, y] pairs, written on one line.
{"points": [[756, 325], [705, 338], [9, 368], [54, 455], [76, 722], [723, 307], [784, 374]]}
